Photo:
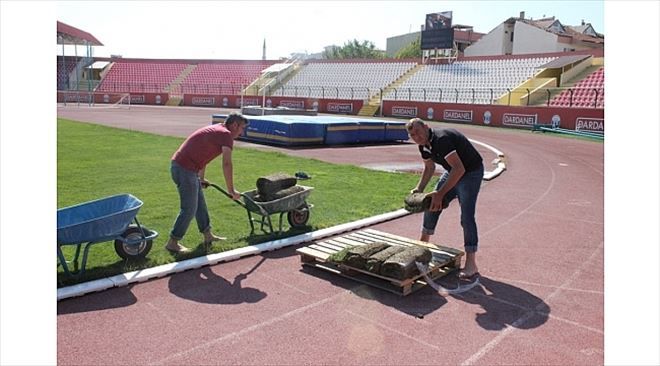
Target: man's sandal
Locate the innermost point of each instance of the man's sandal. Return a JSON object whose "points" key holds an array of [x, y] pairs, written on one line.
{"points": [[465, 277]]}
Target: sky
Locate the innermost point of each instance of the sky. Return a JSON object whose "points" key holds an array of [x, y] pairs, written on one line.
{"points": [[236, 30]]}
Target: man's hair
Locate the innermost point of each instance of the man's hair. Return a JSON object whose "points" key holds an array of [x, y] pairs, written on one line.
{"points": [[235, 117], [414, 121]]}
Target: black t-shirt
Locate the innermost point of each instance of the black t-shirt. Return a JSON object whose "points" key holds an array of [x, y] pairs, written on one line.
{"points": [[445, 140]]}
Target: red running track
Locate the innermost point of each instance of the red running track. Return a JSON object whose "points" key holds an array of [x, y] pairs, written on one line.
{"points": [[540, 302]]}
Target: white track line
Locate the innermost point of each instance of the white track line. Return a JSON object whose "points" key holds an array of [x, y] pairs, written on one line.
{"points": [[508, 280], [530, 313], [253, 327], [564, 218], [497, 152], [523, 211], [393, 330], [543, 313], [273, 279], [162, 313]]}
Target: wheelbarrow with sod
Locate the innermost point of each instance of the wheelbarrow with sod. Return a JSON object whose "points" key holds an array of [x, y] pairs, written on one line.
{"points": [[294, 206], [100, 221]]}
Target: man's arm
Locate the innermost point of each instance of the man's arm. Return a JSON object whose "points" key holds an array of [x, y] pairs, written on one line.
{"points": [[429, 169], [455, 174], [228, 172]]}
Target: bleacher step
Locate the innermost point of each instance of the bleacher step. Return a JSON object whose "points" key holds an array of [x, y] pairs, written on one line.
{"points": [[174, 100]]}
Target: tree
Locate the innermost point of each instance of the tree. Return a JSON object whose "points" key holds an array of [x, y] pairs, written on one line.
{"points": [[353, 49], [411, 50]]}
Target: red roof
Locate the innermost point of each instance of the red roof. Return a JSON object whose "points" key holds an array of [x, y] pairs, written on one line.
{"points": [[569, 35], [67, 34], [467, 36]]}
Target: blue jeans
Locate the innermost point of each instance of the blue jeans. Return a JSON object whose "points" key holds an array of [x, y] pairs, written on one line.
{"points": [[467, 190], [192, 201]]}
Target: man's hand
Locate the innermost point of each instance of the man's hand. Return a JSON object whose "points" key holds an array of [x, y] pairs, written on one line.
{"points": [[436, 202], [204, 182], [235, 195], [415, 190]]}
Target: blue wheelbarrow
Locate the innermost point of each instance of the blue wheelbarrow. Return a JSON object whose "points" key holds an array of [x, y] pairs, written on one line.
{"points": [[100, 221]]}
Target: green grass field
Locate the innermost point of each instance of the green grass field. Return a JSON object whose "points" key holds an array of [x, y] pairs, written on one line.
{"points": [[95, 161]]}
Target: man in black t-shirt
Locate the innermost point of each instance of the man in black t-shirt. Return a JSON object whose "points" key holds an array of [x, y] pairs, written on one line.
{"points": [[464, 171]]}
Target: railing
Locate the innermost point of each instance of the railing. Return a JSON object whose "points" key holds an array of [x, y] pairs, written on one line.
{"points": [[214, 89], [574, 97], [558, 97], [328, 92], [125, 87]]}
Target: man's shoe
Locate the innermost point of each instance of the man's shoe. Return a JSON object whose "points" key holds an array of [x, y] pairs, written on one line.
{"points": [[468, 277], [178, 249], [215, 238]]}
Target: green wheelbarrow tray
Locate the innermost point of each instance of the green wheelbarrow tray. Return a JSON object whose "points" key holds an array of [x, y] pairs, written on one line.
{"points": [[294, 205]]}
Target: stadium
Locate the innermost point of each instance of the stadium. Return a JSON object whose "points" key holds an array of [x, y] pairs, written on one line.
{"points": [[549, 74], [529, 96], [547, 80]]}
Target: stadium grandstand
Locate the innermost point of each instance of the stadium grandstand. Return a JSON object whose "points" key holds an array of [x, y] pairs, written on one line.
{"points": [[588, 92], [549, 71], [70, 68]]}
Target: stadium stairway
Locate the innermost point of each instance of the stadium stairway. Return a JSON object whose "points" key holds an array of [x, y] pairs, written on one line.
{"points": [[583, 74], [174, 89], [253, 88], [175, 85], [278, 85], [371, 107], [533, 88], [174, 100]]}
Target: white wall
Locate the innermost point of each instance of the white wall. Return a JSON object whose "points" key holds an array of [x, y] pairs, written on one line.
{"points": [[490, 44], [394, 44], [530, 39], [526, 39]]}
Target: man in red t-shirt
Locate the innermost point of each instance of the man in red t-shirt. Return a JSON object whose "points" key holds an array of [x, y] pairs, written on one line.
{"points": [[187, 168]]}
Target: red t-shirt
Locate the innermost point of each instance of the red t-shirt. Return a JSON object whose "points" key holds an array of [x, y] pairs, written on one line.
{"points": [[203, 146]]}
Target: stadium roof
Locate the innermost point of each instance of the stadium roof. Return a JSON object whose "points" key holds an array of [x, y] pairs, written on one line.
{"points": [[67, 34], [99, 65], [563, 61], [276, 67]]}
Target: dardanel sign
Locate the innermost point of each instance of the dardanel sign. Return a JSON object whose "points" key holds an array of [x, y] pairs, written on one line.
{"points": [[513, 119], [404, 111]]}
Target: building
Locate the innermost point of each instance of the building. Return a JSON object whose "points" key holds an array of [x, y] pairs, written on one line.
{"points": [[518, 35], [464, 36]]}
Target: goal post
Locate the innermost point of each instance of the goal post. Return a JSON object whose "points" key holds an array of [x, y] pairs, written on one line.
{"points": [[69, 98]]}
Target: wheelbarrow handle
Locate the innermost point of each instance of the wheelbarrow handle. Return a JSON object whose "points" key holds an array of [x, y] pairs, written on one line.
{"points": [[226, 193]]}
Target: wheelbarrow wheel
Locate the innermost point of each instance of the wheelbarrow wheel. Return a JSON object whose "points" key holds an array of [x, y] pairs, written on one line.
{"points": [[298, 218], [135, 251]]}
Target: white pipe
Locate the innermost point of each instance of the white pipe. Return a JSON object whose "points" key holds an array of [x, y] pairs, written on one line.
{"points": [[166, 269], [501, 166], [491, 148]]}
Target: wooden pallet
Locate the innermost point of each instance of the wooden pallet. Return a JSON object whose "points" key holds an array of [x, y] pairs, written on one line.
{"points": [[316, 255]]}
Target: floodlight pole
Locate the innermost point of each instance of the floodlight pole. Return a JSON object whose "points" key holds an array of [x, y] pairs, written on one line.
{"points": [[75, 52], [263, 102], [381, 103], [63, 65], [89, 67]]}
